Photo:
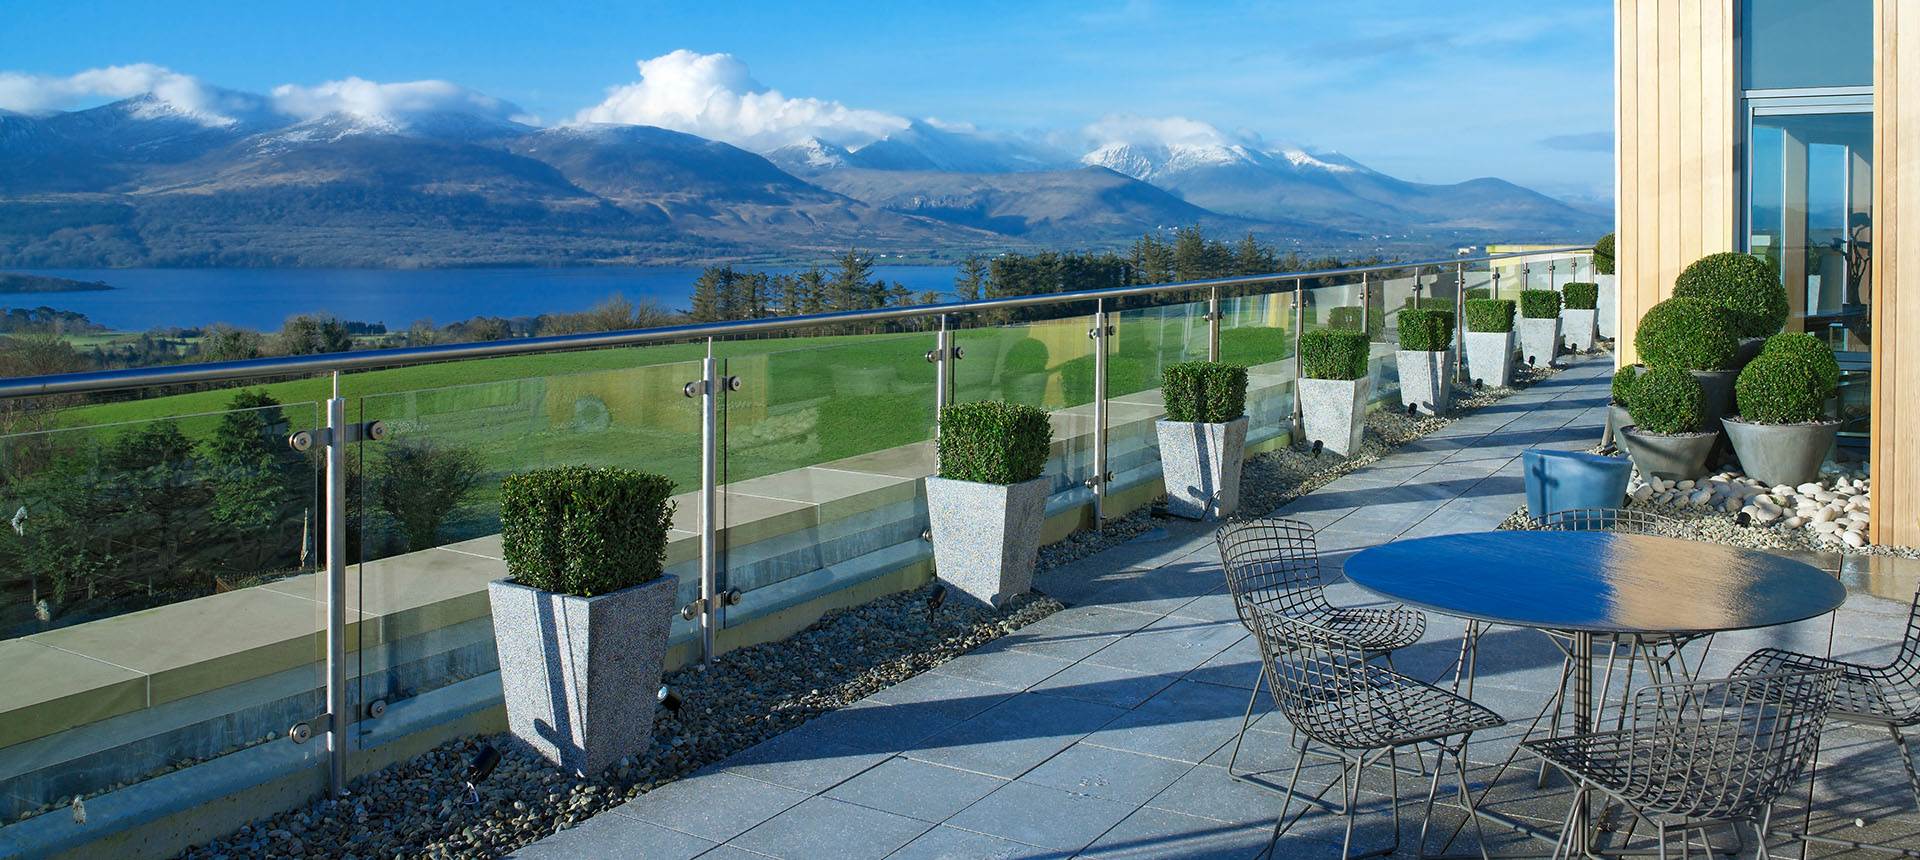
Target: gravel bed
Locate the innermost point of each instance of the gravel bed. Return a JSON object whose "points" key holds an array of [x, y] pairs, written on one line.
{"points": [[1724, 528]]}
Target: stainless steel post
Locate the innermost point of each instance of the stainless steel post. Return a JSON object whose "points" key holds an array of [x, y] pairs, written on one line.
{"points": [[1099, 480], [1460, 322], [337, 721], [1366, 306], [1213, 324], [1299, 322], [709, 492], [1550, 284], [942, 373]]}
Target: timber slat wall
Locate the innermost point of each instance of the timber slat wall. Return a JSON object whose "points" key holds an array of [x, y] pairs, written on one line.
{"points": [[1896, 358]]}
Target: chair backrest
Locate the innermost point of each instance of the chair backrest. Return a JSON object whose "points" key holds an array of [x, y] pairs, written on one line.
{"points": [[1727, 748], [1626, 520], [1272, 565], [1323, 683]]}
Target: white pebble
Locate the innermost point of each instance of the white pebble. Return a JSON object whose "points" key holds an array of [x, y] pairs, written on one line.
{"points": [[1808, 489], [1824, 526], [1794, 522], [1854, 539], [1699, 497], [1642, 493], [1683, 485]]}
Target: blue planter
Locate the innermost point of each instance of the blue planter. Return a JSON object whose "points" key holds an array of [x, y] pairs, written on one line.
{"points": [[1566, 480]]}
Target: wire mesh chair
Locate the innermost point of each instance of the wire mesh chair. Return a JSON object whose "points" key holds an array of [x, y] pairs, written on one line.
{"points": [[1698, 754], [1273, 566], [1362, 713]]}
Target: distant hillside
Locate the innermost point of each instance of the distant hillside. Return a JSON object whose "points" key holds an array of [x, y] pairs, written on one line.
{"points": [[15, 282]]}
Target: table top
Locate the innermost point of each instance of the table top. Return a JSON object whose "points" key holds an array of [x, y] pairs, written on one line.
{"points": [[1600, 582]]}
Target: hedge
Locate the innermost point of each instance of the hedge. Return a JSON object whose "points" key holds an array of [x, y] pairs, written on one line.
{"points": [[1624, 381], [1788, 383], [1741, 283], [1666, 400], [1333, 354], [1426, 330], [1207, 392], [1345, 316], [1689, 334], [585, 530], [994, 442], [1495, 315], [1539, 304], [1581, 295], [1603, 255]]}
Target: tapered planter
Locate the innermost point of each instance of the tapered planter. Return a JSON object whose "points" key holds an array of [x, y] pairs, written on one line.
{"points": [[579, 673], [1679, 457], [1201, 466], [1781, 453], [986, 537], [1539, 340], [1749, 350], [1607, 310], [1716, 396], [1577, 329], [1425, 380], [1617, 418], [1490, 357], [1333, 412]]}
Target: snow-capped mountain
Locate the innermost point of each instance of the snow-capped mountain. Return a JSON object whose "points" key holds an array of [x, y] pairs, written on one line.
{"points": [[1149, 162]]}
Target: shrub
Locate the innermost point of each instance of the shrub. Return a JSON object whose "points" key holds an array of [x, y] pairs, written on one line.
{"points": [[422, 483], [1743, 285], [1787, 385], [1426, 330], [1490, 315], [1581, 296], [1333, 354], [1811, 349], [1479, 293], [1539, 304], [1666, 400], [1207, 392], [1603, 255], [1625, 380], [1689, 334], [584, 530], [1432, 303], [993, 442], [1346, 317]]}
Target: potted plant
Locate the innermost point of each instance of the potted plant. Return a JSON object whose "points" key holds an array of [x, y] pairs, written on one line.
{"points": [[1539, 326], [1755, 302], [1333, 388], [581, 622], [1606, 318], [1782, 432], [1203, 438], [1694, 336], [1665, 439], [1490, 341], [989, 501], [1577, 327], [1425, 359], [1620, 399]]}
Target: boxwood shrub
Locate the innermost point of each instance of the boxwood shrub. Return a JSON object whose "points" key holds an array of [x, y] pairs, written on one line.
{"points": [[1689, 334], [1666, 400], [1490, 315], [584, 530], [1345, 316], [1811, 349], [1581, 296], [1603, 255], [1788, 383], [1426, 330], [1741, 283], [994, 442], [1207, 392], [1333, 354], [1624, 381], [1432, 303], [1539, 304]]}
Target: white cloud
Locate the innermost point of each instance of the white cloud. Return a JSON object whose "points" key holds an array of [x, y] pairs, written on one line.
{"points": [[372, 100], [1154, 131], [714, 96], [171, 91]]}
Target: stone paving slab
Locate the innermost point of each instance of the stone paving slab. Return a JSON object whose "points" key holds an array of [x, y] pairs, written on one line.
{"points": [[1105, 730]]}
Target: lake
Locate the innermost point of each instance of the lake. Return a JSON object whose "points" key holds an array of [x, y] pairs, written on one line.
{"points": [[264, 298]]}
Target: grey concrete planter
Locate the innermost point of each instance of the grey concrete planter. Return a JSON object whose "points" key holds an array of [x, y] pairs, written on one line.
{"points": [[580, 673], [986, 537], [1577, 328], [1781, 453], [1679, 457], [1716, 396], [1606, 318], [1426, 380], [1333, 412], [1749, 350], [1490, 357], [1617, 418], [1200, 464], [1539, 340]]}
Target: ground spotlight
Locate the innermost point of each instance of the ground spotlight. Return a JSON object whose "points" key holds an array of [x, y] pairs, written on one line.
{"points": [[669, 700], [1317, 445], [936, 599], [1743, 520], [484, 761]]}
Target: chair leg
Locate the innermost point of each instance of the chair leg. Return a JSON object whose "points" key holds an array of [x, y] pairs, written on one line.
{"points": [[1246, 722], [1466, 797], [1663, 842], [1281, 824], [1426, 812], [1906, 758], [1351, 798], [1559, 703]]}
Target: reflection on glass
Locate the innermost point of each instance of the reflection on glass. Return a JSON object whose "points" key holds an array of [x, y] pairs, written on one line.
{"points": [[1806, 43], [1810, 217]]}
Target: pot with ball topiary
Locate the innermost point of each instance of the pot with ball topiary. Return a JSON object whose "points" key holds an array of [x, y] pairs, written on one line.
{"points": [[1577, 327], [1665, 439], [1203, 438], [1490, 341], [1782, 433], [1425, 360], [1618, 401], [1698, 337], [1333, 389], [989, 502], [1539, 326], [581, 623], [1743, 285]]}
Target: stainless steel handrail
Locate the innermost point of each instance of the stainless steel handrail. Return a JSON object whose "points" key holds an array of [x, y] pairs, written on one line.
{"points": [[223, 371]]}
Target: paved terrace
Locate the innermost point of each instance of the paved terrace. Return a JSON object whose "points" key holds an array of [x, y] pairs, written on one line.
{"points": [[1103, 730]]}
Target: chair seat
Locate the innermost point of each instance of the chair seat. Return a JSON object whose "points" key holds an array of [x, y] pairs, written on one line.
{"points": [[1373, 630], [1388, 709], [1657, 778], [1872, 694]]}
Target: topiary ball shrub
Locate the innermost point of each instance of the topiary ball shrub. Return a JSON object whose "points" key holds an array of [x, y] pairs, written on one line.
{"points": [[1494, 315], [1424, 330], [1333, 354], [1205, 392], [1603, 255], [1743, 285], [1785, 386], [585, 530], [1624, 381], [1539, 304], [1666, 400], [1689, 334], [994, 442], [1581, 296], [1812, 350]]}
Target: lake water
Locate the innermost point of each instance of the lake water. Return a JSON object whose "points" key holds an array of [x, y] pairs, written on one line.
{"points": [[264, 298]]}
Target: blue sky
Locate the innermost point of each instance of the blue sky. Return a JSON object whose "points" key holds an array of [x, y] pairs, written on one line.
{"points": [[1428, 91]]}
